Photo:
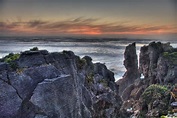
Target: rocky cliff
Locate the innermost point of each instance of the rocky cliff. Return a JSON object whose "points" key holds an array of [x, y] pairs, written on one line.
{"points": [[39, 84], [131, 65], [158, 63], [149, 96]]}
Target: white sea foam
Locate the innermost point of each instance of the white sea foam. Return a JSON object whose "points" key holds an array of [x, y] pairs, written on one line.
{"points": [[108, 52]]}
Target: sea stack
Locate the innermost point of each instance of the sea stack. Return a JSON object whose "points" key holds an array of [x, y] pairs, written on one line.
{"points": [[131, 65]]}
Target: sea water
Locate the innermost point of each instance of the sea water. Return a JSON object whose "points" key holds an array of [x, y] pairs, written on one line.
{"points": [[109, 52]]}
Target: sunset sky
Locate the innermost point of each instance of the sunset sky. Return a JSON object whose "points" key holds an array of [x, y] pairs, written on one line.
{"points": [[88, 17]]}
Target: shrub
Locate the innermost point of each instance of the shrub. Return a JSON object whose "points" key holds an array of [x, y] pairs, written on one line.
{"points": [[171, 56], [11, 57], [80, 63], [154, 92], [163, 116], [11, 60], [34, 49], [166, 54], [156, 97]]}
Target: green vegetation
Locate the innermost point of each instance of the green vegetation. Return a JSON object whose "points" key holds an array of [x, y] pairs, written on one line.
{"points": [[163, 116], [169, 116], [154, 92], [80, 63], [171, 56], [34, 49], [157, 94], [89, 78], [10, 59]]}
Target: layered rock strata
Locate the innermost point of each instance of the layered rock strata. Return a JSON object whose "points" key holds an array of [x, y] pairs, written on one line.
{"points": [[40, 84]]}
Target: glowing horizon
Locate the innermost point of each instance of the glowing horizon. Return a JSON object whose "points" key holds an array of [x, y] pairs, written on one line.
{"points": [[92, 18], [82, 26]]}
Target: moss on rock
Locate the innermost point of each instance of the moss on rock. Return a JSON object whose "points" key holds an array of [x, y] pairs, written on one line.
{"points": [[156, 98], [171, 56]]}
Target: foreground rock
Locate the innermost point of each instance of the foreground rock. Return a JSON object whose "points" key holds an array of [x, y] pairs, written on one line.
{"points": [[10, 102], [57, 85]]}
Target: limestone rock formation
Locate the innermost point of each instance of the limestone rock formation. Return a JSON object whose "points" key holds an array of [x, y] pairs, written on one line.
{"points": [[40, 84], [153, 63], [158, 65], [10, 101], [131, 65]]}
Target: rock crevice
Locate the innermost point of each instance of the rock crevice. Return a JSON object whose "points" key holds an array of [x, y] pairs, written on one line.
{"points": [[58, 85], [148, 96]]}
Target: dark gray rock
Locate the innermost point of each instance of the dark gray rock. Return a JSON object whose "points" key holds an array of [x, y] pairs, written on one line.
{"points": [[148, 59], [101, 69], [40, 116], [3, 75], [153, 64], [3, 66], [10, 101], [31, 59], [162, 69], [107, 105], [134, 91], [126, 93], [131, 65], [26, 80], [56, 97], [158, 65], [59, 85]]}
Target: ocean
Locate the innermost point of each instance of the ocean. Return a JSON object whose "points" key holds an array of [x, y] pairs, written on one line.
{"points": [[107, 50]]}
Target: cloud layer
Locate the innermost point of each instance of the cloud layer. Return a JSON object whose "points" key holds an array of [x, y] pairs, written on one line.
{"points": [[80, 26]]}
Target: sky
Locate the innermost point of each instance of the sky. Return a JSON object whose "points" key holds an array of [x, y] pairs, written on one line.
{"points": [[148, 18]]}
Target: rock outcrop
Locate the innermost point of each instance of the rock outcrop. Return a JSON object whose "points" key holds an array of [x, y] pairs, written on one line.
{"points": [[57, 85], [39, 84], [149, 96], [158, 63], [131, 65]]}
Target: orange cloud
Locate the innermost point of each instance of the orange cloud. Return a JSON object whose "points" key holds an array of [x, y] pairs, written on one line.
{"points": [[80, 26]]}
